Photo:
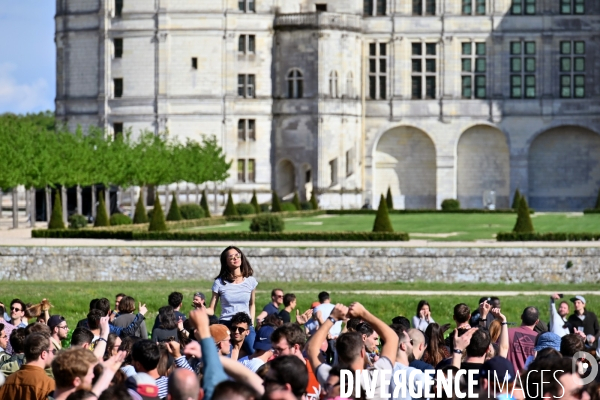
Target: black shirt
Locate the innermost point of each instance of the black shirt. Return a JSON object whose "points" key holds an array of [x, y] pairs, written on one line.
{"points": [[284, 316]]}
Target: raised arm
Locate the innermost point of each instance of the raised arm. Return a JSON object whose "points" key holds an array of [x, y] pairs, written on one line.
{"points": [[100, 347], [503, 341], [135, 324], [242, 374], [314, 344], [252, 305], [387, 334], [214, 300]]}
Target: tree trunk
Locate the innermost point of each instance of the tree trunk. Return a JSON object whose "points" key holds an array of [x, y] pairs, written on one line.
{"points": [[145, 194], [216, 201], [79, 201], [167, 198], [48, 203], [15, 208], [197, 194], [187, 192], [107, 200], [94, 202], [65, 209], [33, 211], [131, 201]]}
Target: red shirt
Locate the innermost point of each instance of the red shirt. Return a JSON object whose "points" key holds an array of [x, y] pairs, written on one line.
{"points": [[521, 342]]}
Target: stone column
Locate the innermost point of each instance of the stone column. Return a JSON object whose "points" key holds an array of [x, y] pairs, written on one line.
{"points": [[64, 203], [94, 202], [33, 211], [48, 203], [79, 200], [15, 208]]}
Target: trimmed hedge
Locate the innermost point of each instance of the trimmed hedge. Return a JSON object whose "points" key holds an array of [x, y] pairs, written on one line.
{"points": [[245, 209], [548, 237], [426, 211], [120, 219], [267, 223], [56, 218], [591, 211], [228, 236], [102, 218], [77, 221], [140, 216], [174, 214], [450, 205], [191, 211]]}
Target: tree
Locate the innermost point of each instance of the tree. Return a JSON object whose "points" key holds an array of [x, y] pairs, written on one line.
{"points": [[524, 224], [296, 202], [230, 209], [174, 212], [254, 202], [275, 203], [157, 223], [140, 216], [382, 219], [389, 199], [56, 220], [516, 200], [204, 204], [313, 201], [101, 215]]}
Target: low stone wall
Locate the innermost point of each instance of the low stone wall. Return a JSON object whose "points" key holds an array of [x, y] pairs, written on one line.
{"points": [[544, 265]]}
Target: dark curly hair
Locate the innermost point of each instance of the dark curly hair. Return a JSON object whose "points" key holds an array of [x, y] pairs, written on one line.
{"points": [[225, 273], [241, 317]]}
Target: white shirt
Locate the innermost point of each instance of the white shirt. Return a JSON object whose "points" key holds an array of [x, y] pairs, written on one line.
{"points": [[253, 365], [326, 309], [556, 321], [404, 392]]}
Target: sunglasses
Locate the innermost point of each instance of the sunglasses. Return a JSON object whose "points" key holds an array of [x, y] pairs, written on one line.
{"points": [[234, 257], [15, 309], [239, 329]]}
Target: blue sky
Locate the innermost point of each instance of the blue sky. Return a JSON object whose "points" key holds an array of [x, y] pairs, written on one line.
{"points": [[27, 56]]}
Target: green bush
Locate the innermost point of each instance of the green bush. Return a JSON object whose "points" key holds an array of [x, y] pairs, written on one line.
{"points": [[547, 237], [523, 224], [275, 203], [265, 208], [120, 219], [306, 206], [101, 215], [254, 203], [77, 221], [174, 214], [288, 206], [296, 201], [191, 211], [426, 211], [313, 201], [382, 219], [234, 218], [516, 200], [204, 204], [157, 223], [56, 219], [140, 216], [591, 211], [389, 199], [230, 209], [450, 205], [267, 223], [245, 209]]}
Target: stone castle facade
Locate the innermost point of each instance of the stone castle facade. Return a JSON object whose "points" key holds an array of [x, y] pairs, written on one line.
{"points": [[435, 99]]}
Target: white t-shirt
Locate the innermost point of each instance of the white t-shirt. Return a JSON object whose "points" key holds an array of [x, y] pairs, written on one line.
{"points": [[326, 309], [235, 298], [253, 365], [418, 377]]}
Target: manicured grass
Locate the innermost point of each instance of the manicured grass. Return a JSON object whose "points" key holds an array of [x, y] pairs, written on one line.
{"points": [[455, 227], [72, 299]]}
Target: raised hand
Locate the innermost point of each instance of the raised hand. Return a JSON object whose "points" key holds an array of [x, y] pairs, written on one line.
{"points": [[114, 363], [340, 311], [104, 327], [142, 308], [304, 317], [498, 315], [193, 350], [461, 342], [357, 310], [174, 348]]}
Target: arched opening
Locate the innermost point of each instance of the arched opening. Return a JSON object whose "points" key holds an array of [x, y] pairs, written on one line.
{"points": [[564, 169], [295, 82], [405, 162], [333, 84], [483, 160], [285, 178]]}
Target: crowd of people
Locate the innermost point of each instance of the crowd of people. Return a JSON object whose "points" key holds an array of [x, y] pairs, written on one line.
{"points": [[283, 354]]}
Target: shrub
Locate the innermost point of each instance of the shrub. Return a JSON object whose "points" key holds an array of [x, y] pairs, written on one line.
{"points": [[275, 203], [120, 219], [56, 219], [288, 206], [389, 199], [313, 201], [547, 237], [450, 205], [157, 223], [140, 216], [245, 209], [382, 219], [101, 215], [174, 213], [523, 224], [234, 218], [296, 201], [516, 200], [306, 206], [254, 203], [265, 208], [267, 223], [191, 211], [230, 208], [77, 221], [204, 204]]}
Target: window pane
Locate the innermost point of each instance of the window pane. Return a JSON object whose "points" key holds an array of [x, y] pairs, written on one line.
{"points": [[529, 47], [118, 8], [290, 89], [580, 91], [530, 64], [118, 85], [579, 64], [251, 45], [251, 129], [242, 5], [430, 87], [480, 87], [118, 48], [430, 49], [515, 48], [579, 86], [251, 5], [417, 49], [467, 49], [382, 87], [480, 7], [416, 87], [241, 129], [515, 86], [300, 88], [565, 80], [381, 7], [430, 65], [250, 86], [368, 7], [466, 65], [515, 80], [430, 7], [515, 64], [480, 80], [382, 65], [372, 87], [579, 80], [480, 49], [251, 171], [241, 171], [565, 64], [416, 65], [530, 7], [565, 6], [466, 87], [242, 44], [382, 49], [565, 47], [417, 7], [466, 7], [251, 80], [372, 65], [579, 9], [579, 47], [241, 86], [372, 49], [517, 8], [480, 65]]}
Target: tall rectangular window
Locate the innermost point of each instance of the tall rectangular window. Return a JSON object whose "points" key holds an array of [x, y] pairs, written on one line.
{"points": [[118, 130], [424, 70], [194, 62], [473, 7], [474, 69], [572, 69], [378, 71], [246, 129], [333, 171], [349, 162], [241, 170], [251, 170], [522, 70], [118, 43], [246, 5], [576, 7], [246, 86], [246, 44], [373, 8], [118, 8], [118, 87], [423, 7], [523, 7]]}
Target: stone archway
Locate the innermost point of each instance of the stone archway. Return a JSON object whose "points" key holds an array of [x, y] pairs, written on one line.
{"points": [[405, 161], [564, 169], [285, 178], [483, 164]]}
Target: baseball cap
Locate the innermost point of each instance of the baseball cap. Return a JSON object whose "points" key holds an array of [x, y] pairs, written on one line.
{"points": [[263, 338], [219, 332], [142, 386], [200, 294], [578, 298], [547, 339], [499, 366], [55, 321]]}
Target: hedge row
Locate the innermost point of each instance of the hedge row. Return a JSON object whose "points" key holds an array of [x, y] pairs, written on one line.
{"points": [[216, 236], [547, 237], [426, 211], [592, 211]]}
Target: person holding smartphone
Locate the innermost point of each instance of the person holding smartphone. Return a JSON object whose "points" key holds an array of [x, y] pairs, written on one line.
{"points": [[558, 317]]}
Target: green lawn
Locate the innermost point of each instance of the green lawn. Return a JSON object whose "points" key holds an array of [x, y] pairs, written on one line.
{"points": [[72, 299], [437, 227]]}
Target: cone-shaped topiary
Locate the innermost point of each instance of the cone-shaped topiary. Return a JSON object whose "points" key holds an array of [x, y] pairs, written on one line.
{"points": [[157, 223], [174, 213], [204, 204], [524, 224], [389, 200], [275, 203], [516, 200], [598, 201], [296, 202], [140, 216], [254, 203], [56, 219], [313, 201], [230, 209], [101, 216], [382, 219]]}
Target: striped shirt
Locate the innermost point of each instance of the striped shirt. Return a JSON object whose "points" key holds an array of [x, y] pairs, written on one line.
{"points": [[163, 386], [235, 298]]}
